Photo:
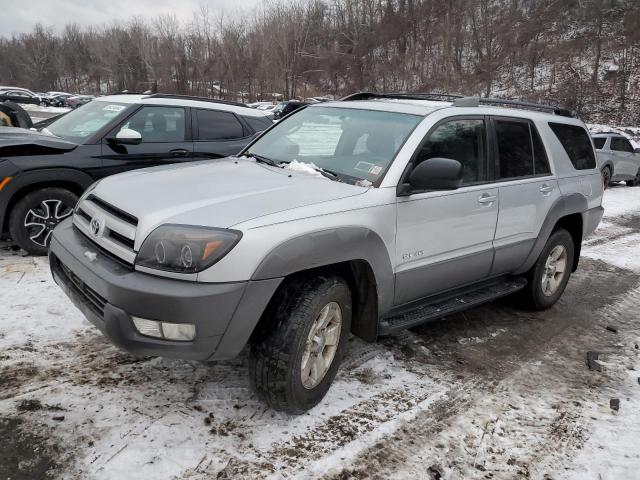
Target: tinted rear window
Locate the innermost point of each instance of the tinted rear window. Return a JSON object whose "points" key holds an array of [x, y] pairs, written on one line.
{"points": [[515, 149], [258, 124], [599, 142], [577, 144], [214, 125]]}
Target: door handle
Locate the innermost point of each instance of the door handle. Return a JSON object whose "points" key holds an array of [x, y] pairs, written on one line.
{"points": [[487, 198], [179, 152], [546, 188]]}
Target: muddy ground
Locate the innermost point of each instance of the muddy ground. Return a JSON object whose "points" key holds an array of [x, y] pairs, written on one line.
{"points": [[496, 392]]}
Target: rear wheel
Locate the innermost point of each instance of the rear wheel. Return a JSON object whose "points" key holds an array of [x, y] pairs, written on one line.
{"points": [[636, 181], [549, 276], [295, 358], [606, 177], [34, 217]]}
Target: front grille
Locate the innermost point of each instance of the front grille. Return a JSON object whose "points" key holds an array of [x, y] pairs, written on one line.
{"points": [[89, 296], [117, 229]]}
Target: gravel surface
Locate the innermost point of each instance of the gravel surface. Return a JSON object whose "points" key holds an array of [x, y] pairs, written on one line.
{"points": [[497, 392]]}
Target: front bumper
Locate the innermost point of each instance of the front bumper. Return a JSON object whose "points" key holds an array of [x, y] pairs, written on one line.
{"points": [[108, 293]]}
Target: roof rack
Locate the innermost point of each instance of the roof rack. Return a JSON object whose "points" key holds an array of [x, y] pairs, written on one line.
{"points": [[477, 101], [608, 133], [198, 99], [446, 97]]}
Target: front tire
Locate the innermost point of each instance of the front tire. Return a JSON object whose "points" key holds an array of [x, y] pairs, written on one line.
{"points": [[34, 217], [549, 276], [295, 355]]}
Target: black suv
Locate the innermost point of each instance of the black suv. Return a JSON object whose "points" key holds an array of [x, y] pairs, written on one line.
{"points": [[43, 173]]}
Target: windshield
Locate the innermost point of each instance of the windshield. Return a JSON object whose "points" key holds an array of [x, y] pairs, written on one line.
{"points": [[353, 144], [80, 124]]}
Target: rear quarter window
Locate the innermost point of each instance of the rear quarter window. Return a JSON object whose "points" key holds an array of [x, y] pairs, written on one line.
{"points": [[576, 143], [599, 142], [258, 124]]}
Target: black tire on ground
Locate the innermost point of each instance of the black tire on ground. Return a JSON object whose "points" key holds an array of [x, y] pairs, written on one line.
{"points": [[534, 293], [635, 182], [606, 177], [278, 347], [34, 216]]}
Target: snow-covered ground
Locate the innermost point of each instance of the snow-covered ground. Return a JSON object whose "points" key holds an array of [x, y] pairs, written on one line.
{"points": [[497, 392]]}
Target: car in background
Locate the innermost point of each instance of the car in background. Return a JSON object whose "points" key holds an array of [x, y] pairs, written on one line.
{"points": [[258, 104], [43, 173], [285, 108], [618, 159], [76, 101], [21, 96], [57, 99]]}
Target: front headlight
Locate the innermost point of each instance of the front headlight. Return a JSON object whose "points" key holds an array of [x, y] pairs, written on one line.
{"points": [[185, 248]]}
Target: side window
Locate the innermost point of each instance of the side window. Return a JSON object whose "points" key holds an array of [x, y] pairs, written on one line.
{"points": [[576, 143], [621, 144], [540, 160], [462, 140], [599, 142], [258, 123], [158, 124], [214, 125], [515, 149]]}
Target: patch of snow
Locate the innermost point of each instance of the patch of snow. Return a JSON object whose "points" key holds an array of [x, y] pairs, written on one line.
{"points": [[303, 167]]}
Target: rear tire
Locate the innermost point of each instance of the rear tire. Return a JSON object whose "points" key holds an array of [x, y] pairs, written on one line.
{"points": [[635, 182], [34, 217], [295, 355], [549, 276], [606, 177]]}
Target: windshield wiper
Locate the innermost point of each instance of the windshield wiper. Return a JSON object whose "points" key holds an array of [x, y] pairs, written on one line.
{"points": [[261, 159], [326, 173]]}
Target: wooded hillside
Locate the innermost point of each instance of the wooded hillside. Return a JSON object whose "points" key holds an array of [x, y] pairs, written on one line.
{"points": [[584, 54]]}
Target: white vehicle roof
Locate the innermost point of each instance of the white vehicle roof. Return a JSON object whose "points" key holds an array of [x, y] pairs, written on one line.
{"points": [[183, 102]]}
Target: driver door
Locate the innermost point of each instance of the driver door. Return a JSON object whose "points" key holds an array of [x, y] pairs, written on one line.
{"points": [[166, 139], [445, 238]]}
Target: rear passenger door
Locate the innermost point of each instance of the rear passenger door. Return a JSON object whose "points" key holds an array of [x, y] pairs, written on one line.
{"points": [[218, 134], [527, 190], [623, 151]]}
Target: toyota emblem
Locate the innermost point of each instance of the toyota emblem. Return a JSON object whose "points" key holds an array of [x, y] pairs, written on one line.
{"points": [[95, 226]]}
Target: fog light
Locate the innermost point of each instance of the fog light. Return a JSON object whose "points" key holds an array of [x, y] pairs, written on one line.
{"points": [[165, 330], [146, 327], [179, 331]]}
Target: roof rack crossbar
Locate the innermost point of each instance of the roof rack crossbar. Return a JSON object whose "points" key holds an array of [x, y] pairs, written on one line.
{"points": [[402, 96], [477, 101], [198, 99]]}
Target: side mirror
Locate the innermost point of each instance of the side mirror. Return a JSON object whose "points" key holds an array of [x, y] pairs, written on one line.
{"points": [[436, 174], [126, 136]]}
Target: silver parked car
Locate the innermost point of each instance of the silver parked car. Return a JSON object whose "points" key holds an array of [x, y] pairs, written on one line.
{"points": [[364, 216], [617, 159]]}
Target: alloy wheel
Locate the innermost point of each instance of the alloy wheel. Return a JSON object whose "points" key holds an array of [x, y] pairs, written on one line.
{"points": [[322, 344], [40, 220], [554, 270]]}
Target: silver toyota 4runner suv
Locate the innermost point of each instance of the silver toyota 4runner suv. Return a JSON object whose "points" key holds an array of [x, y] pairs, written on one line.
{"points": [[364, 216]]}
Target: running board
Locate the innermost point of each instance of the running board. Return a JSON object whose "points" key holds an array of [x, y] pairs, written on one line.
{"points": [[438, 308]]}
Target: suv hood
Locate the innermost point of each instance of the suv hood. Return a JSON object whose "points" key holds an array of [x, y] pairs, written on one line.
{"points": [[215, 193], [20, 141]]}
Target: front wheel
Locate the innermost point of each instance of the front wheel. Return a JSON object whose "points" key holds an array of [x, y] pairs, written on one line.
{"points": [[295, 356], [549, 276], [34, 217]]}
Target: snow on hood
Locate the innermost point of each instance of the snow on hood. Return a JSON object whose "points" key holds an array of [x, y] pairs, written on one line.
{"points": [[216, 193]]}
